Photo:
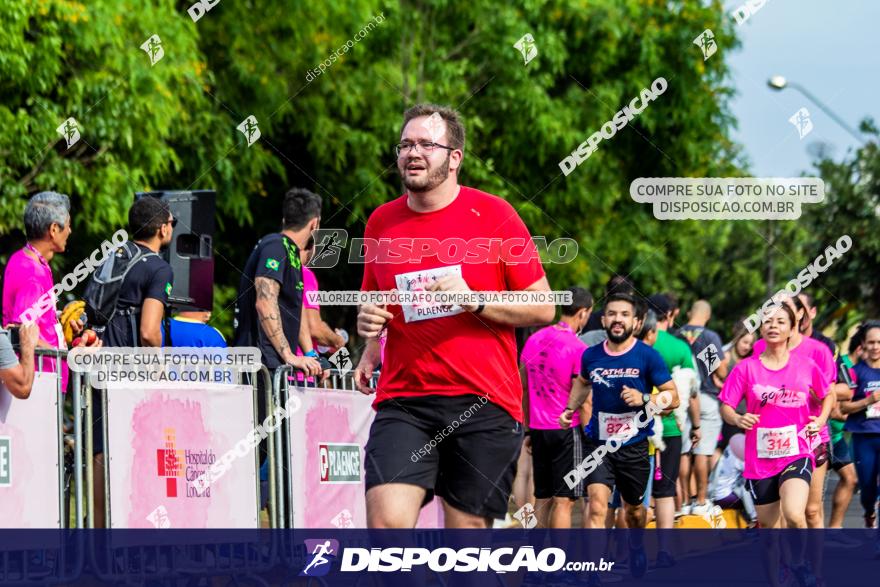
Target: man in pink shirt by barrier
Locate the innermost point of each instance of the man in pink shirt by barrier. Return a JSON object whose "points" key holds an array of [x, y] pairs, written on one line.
{"points": [[28, 275], [550, 360], [321, 333]]}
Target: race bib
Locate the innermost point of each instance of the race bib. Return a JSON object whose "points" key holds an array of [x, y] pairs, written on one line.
{"points": [[617, 424], [873, 411], [419, 281], [777, 443]]}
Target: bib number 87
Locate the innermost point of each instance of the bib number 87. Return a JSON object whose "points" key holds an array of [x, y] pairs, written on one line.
{"points": [[614, 427]]}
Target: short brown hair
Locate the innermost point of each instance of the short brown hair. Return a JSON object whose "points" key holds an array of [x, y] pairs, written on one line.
{"points": [[454, 126]]}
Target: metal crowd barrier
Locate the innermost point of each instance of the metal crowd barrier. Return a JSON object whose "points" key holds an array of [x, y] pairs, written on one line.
{"points": [[62, 564], [40, 355], [81, 473], [89, 438], [142, 563], [294, 554], [279, 455], [178, 561]]}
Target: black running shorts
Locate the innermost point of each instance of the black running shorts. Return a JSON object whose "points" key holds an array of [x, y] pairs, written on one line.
{"points": [[627, 469], [555, 453], [766, 491], [461, 448]]}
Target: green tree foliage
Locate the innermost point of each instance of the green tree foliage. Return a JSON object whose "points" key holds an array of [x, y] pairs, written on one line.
{"points": [[850, 289], [173, 124]]}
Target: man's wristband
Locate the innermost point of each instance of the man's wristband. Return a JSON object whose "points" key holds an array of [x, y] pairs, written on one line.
{"points": [[312, 353], [695, 427], [569, 410], [480, 308]]}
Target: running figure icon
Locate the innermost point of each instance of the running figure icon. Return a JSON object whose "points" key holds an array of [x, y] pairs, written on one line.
{"points": [[319, 557]]}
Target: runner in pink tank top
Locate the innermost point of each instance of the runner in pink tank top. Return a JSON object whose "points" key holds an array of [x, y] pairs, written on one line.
{"points": [[781, 431]]}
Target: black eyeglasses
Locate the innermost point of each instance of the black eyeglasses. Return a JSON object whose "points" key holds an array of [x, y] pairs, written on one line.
{"points": [[172, 222], [423, 146]]}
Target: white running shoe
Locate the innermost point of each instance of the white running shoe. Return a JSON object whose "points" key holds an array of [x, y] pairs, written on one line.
{"points": [[702, 509]]}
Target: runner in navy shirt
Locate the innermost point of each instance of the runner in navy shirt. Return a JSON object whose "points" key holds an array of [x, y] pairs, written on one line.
{"points": [[637, 367], [864, 422], [620, 374]]}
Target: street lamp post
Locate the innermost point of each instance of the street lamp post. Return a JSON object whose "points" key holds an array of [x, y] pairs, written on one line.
{"points": [[779, 83]]}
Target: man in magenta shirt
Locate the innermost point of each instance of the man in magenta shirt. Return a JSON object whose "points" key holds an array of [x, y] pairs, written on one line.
{"points": [[550, 360], [28, 275], [320, 333]]}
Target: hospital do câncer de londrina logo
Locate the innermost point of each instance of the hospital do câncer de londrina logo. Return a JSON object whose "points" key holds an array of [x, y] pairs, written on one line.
{"points": [[173, 464]]}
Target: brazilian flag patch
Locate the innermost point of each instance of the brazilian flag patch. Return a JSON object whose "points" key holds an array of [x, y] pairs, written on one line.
{"points": [[299, 286], [272, 264], [167, 289]]}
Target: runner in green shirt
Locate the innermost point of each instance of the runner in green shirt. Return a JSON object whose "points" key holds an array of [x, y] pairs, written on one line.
{"points": [[841, 451], [675, 353]]}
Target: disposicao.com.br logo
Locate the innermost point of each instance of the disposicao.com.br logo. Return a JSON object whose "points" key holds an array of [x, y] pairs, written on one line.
{"points": [[441, 560]]}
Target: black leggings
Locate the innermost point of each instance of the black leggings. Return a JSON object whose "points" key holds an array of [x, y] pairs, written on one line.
{"points": [[866, 449]]}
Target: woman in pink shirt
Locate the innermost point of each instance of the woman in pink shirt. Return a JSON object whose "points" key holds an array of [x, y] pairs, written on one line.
{"points": [[781, 430], [809, 348], [28, 275]]}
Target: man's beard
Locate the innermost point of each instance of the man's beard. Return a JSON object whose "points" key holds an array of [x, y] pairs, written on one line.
{"points": [[432, 178], [618, 338]]}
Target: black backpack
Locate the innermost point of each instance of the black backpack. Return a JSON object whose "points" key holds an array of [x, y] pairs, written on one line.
{"points": [[102, 291]]}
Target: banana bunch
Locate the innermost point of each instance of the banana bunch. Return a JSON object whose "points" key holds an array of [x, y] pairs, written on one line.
{"points": [[72, 311]]}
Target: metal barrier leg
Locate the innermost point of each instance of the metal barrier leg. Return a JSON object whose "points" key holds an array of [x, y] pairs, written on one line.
{"points": [[77, 448], [59, 398], [106, 461], [285, 461], [90, 459], [314, 384], [278, 398], [273, 495]]}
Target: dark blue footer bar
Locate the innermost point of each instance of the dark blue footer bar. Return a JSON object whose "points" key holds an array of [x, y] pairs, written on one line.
{"points": [[413, 558]]}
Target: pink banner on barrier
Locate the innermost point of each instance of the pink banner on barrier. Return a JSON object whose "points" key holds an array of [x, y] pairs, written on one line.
{"points": [[163, 438], [29, 456], [327, 439]]}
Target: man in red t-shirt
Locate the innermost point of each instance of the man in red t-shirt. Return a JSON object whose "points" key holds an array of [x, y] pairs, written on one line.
{"points": [[449, 400]]}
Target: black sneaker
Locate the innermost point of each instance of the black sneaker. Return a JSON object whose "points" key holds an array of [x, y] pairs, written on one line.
{"points": [[804, 576], [664, 560], [638, 561]]}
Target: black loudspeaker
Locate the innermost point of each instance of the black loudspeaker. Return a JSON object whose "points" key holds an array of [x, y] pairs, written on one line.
{"points": [[191, 252]]}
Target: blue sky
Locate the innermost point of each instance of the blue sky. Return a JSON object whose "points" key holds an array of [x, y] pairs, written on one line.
{"points": [[829, 47]]}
